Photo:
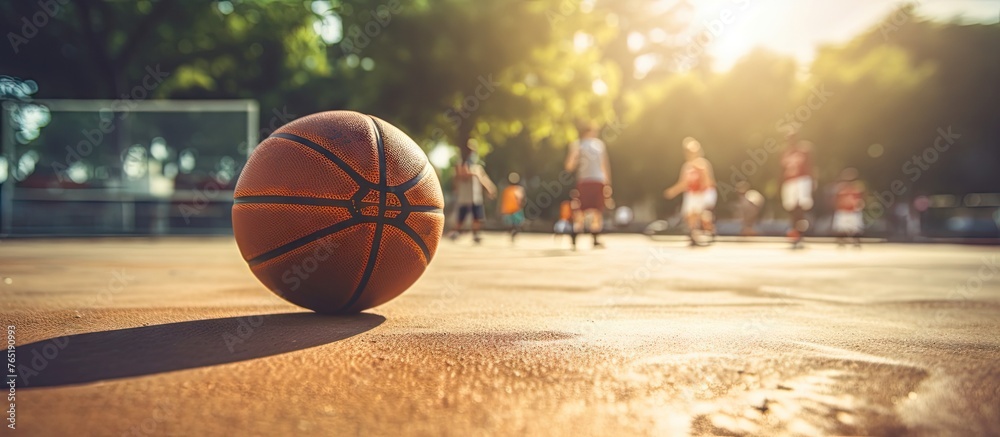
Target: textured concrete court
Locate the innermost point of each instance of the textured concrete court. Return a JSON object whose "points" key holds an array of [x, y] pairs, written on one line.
{"points": [[176, 337]]}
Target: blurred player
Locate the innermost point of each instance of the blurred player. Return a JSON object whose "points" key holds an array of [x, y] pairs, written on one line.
{"points": [[798, 184], [470, 181], [697, 182], [623, 217], [848, 222], [748, 207], [512, 204], [570, 217], [588, 158]]}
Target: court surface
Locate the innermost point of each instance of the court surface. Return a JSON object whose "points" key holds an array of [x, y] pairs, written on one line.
{"points": [[176, 337]]}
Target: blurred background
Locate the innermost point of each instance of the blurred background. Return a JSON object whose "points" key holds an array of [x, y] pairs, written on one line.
{"points": [[135, 117]]}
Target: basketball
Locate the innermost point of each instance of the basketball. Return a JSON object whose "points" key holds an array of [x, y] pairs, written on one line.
{"points": [[338, 212]]}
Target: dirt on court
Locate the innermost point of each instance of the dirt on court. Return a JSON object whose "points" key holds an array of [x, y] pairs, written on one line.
{"points": [[176, 337]]}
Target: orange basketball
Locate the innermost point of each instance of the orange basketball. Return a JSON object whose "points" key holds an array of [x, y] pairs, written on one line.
{"points": [[338, 212]]}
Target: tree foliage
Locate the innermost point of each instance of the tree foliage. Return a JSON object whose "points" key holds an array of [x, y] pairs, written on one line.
{"points": [[519, 75]]}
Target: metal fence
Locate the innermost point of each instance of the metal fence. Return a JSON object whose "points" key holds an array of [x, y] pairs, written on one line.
{"points": [[96, 167]]}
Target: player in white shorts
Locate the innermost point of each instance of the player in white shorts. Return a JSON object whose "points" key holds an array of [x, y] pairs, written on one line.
{"points": [[697, 182], [848, 219], [798, 184]]}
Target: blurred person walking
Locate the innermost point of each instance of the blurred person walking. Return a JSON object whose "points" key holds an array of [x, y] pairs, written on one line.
{"points": [[748, 207], [798, 183], [570, 218], [469, 183], [848, 222], [588, 158], [512, 204]]}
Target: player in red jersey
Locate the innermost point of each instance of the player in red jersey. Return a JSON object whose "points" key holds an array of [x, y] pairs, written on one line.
{"points": [[798, 183], [697, 182], [848, 222]]}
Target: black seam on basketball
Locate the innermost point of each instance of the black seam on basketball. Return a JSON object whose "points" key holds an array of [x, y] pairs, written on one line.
{"points": [[369, 268], [405, 186], [294, 200], [377, 239], [382, 175], [357, 177], [302, 241], [401, 190], [404, 203], [416, 239]]}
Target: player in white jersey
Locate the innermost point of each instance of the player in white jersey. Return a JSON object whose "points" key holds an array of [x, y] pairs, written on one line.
{"points": [[470, 181], [588, 158]]}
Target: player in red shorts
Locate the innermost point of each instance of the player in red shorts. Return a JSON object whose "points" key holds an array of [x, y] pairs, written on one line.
{"points": [[588, 158]]}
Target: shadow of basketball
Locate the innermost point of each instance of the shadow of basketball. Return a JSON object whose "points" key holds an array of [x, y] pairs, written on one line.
{"points": [[124, 353]]}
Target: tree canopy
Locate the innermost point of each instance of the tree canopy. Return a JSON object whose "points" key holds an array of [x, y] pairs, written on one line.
{"points": [[520, 75]]}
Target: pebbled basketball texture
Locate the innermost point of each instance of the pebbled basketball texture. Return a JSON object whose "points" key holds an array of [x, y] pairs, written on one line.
{"points": [[338, 212]]}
